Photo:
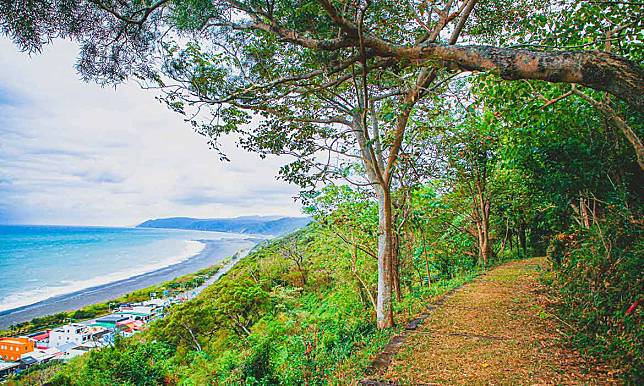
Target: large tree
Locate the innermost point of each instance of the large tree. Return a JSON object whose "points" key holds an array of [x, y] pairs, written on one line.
{"points": [[114, 31], [326, 82]]}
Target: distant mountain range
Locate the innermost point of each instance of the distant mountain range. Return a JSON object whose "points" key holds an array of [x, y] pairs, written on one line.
{"points": [[261, 225]]}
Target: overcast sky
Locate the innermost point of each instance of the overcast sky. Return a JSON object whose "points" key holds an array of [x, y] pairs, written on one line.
{"points": [[76, 153]]}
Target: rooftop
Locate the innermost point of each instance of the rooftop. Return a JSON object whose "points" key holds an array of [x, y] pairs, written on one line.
{"points": [[136, 310], [111, 319], [39, 333], [8, 365], [39, 336], [13, 341]]}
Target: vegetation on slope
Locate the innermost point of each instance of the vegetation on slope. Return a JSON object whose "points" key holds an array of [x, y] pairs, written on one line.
{"points": [[355, 89], [302, 309], [293, 312]]}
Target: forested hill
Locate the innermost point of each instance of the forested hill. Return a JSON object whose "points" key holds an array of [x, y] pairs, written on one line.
{"points": [[262, 225]]}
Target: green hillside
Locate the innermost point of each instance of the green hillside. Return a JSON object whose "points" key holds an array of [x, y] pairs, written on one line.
{"points": [[260, 225], [294, 311]]}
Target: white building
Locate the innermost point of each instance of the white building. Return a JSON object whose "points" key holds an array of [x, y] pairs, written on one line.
{"points": [[76, 333], [74, 352], [41, 355], [157, 303], [140, 312], [7, 368]]}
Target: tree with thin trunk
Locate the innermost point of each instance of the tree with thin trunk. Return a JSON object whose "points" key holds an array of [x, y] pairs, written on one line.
{"points": [[292, 252], [470, 149]]}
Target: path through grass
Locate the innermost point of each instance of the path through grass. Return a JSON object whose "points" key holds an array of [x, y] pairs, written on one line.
{"points": [[495, 330]]}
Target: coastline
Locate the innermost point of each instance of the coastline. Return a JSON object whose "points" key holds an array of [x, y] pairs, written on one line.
{"points": [[21, 299], [214, 252]]}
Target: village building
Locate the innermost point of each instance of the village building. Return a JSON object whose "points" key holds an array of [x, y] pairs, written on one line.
{"points": [[7, 368], [74, 352], [12, 348], [76, 333], [130, 326], [41, 339], [109, 321], [39, 356], [75, 339], [159, 304], [140, 312]]}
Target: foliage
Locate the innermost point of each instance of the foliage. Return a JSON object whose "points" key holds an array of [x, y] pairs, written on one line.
{"points": [[125, 363], [572, 183], [259, 325], [598, 272]]}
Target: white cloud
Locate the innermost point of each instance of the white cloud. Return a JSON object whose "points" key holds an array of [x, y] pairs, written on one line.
{"points": [[76, 153]]}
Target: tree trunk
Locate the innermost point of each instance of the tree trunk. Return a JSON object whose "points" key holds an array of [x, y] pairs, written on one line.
{"points": [[429, 277], [374, 166], [395, 272], [485, 236], [303, 275], [481, 209], [583, 208], [479, 240], [505, 238], [485, 248], [384, 309], [522, 239]]}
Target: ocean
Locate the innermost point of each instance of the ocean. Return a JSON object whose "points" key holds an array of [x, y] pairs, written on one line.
{"points": [[44, 262]]}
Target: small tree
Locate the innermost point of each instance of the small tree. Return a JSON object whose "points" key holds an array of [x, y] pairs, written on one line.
{"points": [[471, 153]]}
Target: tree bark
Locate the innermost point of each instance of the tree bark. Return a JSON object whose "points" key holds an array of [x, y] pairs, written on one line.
{"points": [[485, 242], [522, 238], [505, 238], [427, 270], [395, 271], [384, 309], [585, 218], [511, 239], [374, 165], [485, 228], [595, 69]]}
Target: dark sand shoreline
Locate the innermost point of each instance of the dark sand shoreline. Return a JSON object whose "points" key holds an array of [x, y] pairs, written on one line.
{"points": [[214, 252]]}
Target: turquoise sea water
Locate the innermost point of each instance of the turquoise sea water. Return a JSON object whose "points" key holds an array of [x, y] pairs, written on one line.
{"points": [[38, 262]]}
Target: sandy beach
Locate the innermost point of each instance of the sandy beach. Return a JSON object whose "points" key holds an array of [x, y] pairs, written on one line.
{"points": [[214, 252]]}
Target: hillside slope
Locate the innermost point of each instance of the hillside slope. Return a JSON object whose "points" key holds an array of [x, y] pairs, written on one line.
{"points": [[262, 225]]}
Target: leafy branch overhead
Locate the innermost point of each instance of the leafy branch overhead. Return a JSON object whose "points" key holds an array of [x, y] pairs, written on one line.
{"points": [[296, 61], [113, 33]]}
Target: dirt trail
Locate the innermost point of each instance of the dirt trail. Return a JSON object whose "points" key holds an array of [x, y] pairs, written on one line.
{"points": [[495, 330]]}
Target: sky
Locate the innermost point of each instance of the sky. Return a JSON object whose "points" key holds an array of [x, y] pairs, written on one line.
{"points": [[77, 153]]}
